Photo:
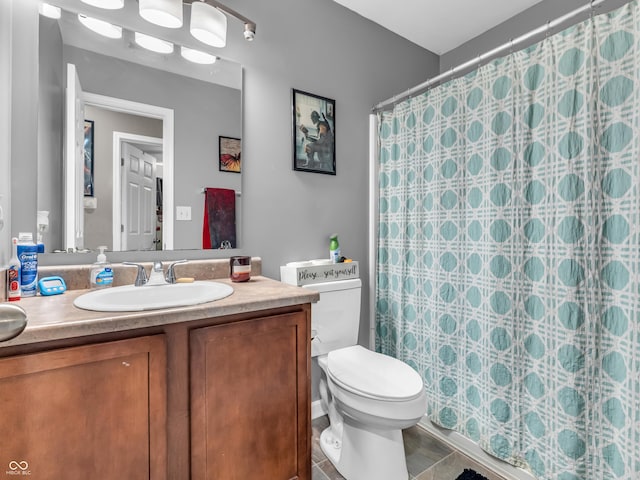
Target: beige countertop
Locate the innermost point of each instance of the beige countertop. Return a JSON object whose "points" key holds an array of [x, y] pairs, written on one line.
{"points": [[55, 317]]}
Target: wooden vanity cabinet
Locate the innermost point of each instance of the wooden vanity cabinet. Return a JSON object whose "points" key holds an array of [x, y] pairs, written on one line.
{"points": [[250, 412], [224, 398], [95, 411]]}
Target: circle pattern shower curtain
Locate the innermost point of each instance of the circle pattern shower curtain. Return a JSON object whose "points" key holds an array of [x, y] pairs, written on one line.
{"points": [[508, 268]]}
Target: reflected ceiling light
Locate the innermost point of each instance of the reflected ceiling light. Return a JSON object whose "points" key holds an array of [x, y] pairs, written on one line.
{"points": [[106, 4], [208, 24], [197, 56], [101, 27], [50, 11], [152, 43], [166, 13]]}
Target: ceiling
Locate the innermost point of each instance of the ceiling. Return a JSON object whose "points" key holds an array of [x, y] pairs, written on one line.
{"points": [[438, 25]]}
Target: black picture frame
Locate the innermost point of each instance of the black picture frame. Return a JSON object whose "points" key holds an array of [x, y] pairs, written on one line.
{"points": [[88, 158], [314, 132], [230, 154]]}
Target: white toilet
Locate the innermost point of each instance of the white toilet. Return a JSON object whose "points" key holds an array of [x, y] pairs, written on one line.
{"points": [[370, 397]]}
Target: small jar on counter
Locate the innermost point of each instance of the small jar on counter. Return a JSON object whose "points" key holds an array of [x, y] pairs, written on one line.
{"points": [[240, 268]]}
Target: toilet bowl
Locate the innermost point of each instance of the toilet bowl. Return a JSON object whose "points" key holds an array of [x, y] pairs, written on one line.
{"points": [[370, 398]]}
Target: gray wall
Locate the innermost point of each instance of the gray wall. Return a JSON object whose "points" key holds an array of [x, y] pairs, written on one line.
{"points": [[24, 115], [50, 120], [5, 131], [325, 49], [530, 19]]}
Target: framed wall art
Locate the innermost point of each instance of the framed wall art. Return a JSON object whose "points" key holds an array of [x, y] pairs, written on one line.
{"points": [[314, 121], [88, 158], [230, 154]]}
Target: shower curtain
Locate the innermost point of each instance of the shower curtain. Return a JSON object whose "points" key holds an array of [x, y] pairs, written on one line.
{"points": [[508, 261]]}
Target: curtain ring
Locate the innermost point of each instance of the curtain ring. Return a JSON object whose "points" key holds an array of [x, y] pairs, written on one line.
{"points": [[546, 32]]}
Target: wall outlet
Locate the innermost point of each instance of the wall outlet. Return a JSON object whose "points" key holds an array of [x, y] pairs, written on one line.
{"points": [[183, 213]]}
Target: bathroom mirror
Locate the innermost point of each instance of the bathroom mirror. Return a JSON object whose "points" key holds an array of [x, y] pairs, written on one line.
{"points": [[160, 111]]}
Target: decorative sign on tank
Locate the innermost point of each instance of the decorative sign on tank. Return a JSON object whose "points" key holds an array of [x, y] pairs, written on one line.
{"points": [[314, 271]]}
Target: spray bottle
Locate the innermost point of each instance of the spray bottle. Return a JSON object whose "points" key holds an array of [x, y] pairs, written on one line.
{"points": [[13, 273], [334, 249]]}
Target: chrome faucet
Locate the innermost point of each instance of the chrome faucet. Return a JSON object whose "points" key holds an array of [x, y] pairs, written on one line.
{"points": [[171, 273], [141, 277], [157, 276]]}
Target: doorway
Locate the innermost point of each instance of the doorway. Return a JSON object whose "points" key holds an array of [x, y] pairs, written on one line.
{"points": [[153, 146]]}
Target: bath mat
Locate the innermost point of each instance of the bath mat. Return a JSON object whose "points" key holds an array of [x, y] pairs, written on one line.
{"points": [[470, 475]]}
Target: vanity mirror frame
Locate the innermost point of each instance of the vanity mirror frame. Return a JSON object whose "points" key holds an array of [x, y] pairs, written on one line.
{"points": [[167, 252]]}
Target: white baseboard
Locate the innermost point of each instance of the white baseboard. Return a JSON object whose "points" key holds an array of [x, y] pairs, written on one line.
{"points": [[317, 410], [471, 449]]}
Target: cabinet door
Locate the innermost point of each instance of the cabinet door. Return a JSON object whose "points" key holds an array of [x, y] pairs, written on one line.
{"points": [[89, 412], [250, 410]]}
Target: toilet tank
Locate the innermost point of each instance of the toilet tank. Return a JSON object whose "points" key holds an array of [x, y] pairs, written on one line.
{"points": [[335, 318]]}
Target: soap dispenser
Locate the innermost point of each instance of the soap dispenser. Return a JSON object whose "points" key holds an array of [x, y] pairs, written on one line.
{"points": [[101, 275]]}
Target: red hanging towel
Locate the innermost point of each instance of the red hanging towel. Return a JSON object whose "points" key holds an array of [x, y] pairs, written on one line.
{"points": [[219, 224]]}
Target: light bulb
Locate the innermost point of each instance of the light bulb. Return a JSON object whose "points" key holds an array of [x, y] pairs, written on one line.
{"points": [[197, 56], [101, 27], [166, 13], [208, 24], [152, 43]]}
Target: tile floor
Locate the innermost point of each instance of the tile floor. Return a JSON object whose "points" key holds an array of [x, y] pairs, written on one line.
{"points": [[427, 457]]}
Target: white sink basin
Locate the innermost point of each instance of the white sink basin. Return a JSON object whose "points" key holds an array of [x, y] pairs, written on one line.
{"points": [[130, 298]]}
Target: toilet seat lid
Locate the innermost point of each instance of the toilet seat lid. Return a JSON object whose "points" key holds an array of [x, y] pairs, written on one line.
{"points": [[373, 375]]}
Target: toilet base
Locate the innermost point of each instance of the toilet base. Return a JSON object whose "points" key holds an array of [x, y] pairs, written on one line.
{"points": [[369, 454]]}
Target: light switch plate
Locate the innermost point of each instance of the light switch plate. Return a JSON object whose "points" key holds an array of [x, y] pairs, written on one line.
{"points": [[183, 213]]}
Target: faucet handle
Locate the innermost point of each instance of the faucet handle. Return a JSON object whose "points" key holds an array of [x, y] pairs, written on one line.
{"points": [[171, 274], [141, 277]]}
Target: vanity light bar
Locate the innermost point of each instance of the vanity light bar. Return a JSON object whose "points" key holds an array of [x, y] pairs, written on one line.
{"points": [[153, 43], [101, 27]]}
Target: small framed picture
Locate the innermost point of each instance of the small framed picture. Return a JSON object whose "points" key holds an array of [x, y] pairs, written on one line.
{"points": [[230, 154], [88, 158], [314, 133]]}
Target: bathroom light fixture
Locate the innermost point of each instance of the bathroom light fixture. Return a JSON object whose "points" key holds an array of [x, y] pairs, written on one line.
{"points": [[152, 43], [101, 27], [106, 4], [249, 31], [166, 13], [208, 18], [196, 56], [50, 11], [208, 24]]}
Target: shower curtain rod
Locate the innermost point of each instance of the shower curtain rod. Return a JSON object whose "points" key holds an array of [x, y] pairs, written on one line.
{"points": [[487, 55]]}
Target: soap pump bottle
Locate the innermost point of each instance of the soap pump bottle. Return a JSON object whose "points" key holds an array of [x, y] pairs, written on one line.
{"points": [[101, 275], [334, 249]]}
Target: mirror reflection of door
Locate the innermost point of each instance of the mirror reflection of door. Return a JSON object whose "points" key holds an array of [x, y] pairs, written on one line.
{"points": [[105, 224], [138, 201], [74, 163]]}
